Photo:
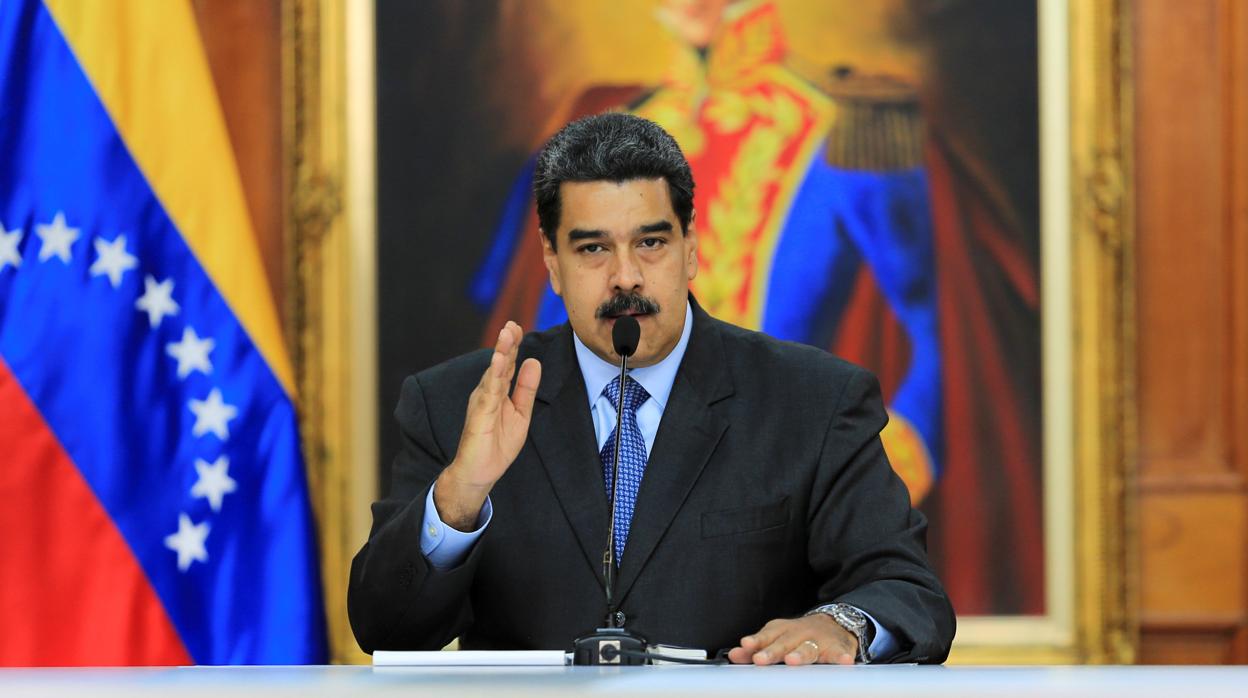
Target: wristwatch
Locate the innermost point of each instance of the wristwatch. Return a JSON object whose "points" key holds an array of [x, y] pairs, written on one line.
{"points": [[854, 621]]}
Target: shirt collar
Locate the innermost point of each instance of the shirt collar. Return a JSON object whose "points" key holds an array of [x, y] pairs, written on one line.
{"points": [[657, 379]]}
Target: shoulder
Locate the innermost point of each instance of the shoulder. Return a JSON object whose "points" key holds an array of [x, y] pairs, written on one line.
{"points": [[770, 366]]}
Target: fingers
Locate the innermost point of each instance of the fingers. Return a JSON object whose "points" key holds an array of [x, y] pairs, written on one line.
{"points": [[778, 650], [764, 637], [751, 645], [502, 362], [793, 642], [497, 378], [526, 387], [513, 336], [806, 652], [494, 428]]}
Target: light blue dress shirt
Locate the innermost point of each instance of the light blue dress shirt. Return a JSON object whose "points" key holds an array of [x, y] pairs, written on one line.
{"points": [[446, 547], [657, 380]]}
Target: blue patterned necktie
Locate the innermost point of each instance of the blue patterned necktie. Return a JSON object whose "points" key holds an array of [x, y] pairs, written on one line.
{"points": [[632, 456]]}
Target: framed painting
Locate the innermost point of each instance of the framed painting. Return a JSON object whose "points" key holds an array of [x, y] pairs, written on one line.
{"points": [[935, 190]]}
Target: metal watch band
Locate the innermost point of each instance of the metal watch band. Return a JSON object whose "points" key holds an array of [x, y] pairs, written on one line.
{"points": [[853, 620]]}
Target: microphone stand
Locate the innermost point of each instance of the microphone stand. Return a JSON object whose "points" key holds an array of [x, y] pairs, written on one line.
{"points": [[613, 644], [608, 557]]}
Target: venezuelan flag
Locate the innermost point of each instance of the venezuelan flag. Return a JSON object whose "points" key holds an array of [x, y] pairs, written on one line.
{"points": [[153, 502]]}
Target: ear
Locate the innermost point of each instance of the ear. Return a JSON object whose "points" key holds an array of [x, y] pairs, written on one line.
{"points": [[551, 259], [691, 246]]}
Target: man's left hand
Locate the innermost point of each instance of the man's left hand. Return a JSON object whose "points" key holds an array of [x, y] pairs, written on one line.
{"points": [[813, 639]]}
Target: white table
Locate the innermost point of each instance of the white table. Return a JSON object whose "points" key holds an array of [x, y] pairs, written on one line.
{"points": [[755, 682], [462, 682]]}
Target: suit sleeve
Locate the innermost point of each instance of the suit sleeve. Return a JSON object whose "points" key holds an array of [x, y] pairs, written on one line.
{"points": [[397, 600], [866, 542]]}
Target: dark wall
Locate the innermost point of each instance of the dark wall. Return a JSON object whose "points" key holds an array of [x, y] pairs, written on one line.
{"points": [[442, 173]]}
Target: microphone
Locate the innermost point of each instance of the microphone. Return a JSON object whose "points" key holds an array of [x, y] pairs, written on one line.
{"points": [[625, 335], [624, 339], [613, 644]]}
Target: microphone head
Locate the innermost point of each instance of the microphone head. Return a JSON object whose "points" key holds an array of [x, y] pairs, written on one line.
{"points": [[625, 335]]}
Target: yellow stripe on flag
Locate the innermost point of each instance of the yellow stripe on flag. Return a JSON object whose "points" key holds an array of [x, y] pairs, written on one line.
{"points": [[147, 64]]}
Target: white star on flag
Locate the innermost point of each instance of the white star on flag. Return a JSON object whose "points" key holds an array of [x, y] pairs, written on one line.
{"points": [[191, 353], [212, 415], [8, 248], [113, 260], [57, 239], [188, 542], [157, 300], [214, 481]]}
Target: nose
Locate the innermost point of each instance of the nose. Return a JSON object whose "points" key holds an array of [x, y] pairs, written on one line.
{"points": [[627, 272]]}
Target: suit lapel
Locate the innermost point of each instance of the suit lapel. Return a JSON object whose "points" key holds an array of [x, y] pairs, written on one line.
{"points": [[688, 434], [563, 435]]}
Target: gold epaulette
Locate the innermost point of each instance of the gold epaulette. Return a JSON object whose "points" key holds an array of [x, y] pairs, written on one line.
{"points": [[876, 122]]}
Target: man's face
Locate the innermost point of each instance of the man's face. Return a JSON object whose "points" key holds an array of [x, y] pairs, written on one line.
{"points": [[621, 251]]}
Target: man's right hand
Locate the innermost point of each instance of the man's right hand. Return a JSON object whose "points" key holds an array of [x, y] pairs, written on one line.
{"points": [[495, 430]]}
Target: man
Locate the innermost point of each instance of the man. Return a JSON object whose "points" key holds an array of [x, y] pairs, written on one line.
{"points": [[758, 512]]}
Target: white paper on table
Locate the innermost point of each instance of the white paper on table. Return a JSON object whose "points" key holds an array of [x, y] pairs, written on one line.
{"points": [[471, 658]]}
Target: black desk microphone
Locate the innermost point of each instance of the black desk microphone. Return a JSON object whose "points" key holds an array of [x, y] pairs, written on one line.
{"points": [[612, 644]]}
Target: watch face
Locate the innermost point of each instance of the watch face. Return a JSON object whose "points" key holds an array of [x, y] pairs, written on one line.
{"points": [[854, 621], [851, 618]]}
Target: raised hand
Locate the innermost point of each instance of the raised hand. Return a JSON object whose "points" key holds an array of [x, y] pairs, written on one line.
{"points": [[495, 430]]}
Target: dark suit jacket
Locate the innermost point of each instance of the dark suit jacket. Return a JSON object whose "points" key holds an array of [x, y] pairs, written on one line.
{"points": [[766, 494]]}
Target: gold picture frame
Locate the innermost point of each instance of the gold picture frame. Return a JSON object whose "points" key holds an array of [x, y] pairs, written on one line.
{"points": [[329, 154], [329, 145], [1088, 315]]}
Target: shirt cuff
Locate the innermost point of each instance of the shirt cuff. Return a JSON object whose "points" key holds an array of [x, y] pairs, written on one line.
{"points": [[446, 547], [884, 645]]}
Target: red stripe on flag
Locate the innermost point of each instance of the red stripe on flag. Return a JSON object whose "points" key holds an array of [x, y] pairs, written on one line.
{"points": [[71, 591]]}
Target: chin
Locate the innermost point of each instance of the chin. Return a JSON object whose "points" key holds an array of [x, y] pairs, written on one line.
{"points": [[644, 356]]}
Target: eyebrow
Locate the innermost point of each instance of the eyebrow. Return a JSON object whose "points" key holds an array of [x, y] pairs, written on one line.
{"points": [[577, 234], [581, 234]]}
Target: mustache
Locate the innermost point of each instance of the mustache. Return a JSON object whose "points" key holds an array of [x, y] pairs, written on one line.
{"points": [[632, 303]]}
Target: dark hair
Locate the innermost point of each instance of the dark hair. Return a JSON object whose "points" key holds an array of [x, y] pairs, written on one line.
{"points": [[610, 147]]}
